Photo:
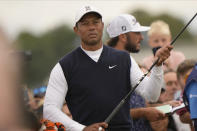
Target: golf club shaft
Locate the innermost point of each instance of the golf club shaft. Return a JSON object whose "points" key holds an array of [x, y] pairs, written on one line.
{"points": [[117, 108]]}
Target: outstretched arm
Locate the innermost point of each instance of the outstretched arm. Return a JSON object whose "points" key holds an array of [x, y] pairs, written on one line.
{"points": [[150, 87]]}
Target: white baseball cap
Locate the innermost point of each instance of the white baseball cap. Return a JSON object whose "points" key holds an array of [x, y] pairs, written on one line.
{"points": [[84, 10], [123, 24]]}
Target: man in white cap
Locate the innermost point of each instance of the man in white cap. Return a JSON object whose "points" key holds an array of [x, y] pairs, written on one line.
{"points": [[92, 79], [125, 34]]}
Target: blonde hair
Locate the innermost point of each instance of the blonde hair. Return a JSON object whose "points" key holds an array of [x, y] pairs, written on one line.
{"points": [[159, 27]]}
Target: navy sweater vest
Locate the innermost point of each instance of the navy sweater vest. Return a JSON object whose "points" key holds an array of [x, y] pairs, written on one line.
{"points": [[95, 88]]}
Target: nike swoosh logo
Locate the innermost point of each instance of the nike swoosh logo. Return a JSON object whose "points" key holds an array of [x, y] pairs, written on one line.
{"points": [[110, 67]]}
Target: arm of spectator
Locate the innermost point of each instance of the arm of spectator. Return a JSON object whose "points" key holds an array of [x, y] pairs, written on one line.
{"points": [[185, 118], [173, 103], [149, 113], [154, 104], [54, 99], [150, 87], [160, 125]]}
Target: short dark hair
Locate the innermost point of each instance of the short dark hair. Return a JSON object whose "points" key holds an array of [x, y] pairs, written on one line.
{"points": [[185, 66], [113, 41]]}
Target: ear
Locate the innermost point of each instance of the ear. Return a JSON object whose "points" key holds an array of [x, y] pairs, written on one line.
{"points": [[123, 38], [75, 29], [103, 25]]}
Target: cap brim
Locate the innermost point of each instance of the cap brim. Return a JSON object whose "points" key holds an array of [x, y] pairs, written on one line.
{"points": [[90, 12], [141, 29]]}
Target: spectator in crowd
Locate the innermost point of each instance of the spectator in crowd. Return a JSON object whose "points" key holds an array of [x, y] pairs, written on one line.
{"points": [[36, 103], [158, 36], [171, 83], [171, 88], [190, 95], [167, 97], [183, 70]]}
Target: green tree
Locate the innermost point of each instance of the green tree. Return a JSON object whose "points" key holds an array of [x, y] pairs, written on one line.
{"points": [[46, 50], [175, 23]]}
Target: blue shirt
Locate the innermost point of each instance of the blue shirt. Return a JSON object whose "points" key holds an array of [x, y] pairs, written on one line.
{"points": [[190, 95], [141, 124], [192, 98]]}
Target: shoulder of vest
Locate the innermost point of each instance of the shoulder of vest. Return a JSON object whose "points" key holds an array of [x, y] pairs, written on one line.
{"points": [[70, 55]]}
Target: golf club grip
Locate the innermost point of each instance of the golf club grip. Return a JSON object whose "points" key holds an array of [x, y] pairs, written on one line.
{"points": [[115, 111]]}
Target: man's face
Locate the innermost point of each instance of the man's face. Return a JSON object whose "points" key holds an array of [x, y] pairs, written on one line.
{"points": [[156, 40], [133, 41], [90, 29], [170, 79]]}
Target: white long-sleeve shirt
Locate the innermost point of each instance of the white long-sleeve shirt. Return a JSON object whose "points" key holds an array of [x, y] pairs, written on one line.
{"points": [[57, 89]]}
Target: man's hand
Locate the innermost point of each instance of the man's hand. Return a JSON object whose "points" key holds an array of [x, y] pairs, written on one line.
{"points": [[185, 118], [163, 54], [149, 113], [152, 114], [173, 103], [96, 127], [160, 125]]}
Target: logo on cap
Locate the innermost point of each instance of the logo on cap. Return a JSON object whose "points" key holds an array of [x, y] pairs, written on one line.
{"points": [[134, 21], [124, 28], [87, 8]]}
